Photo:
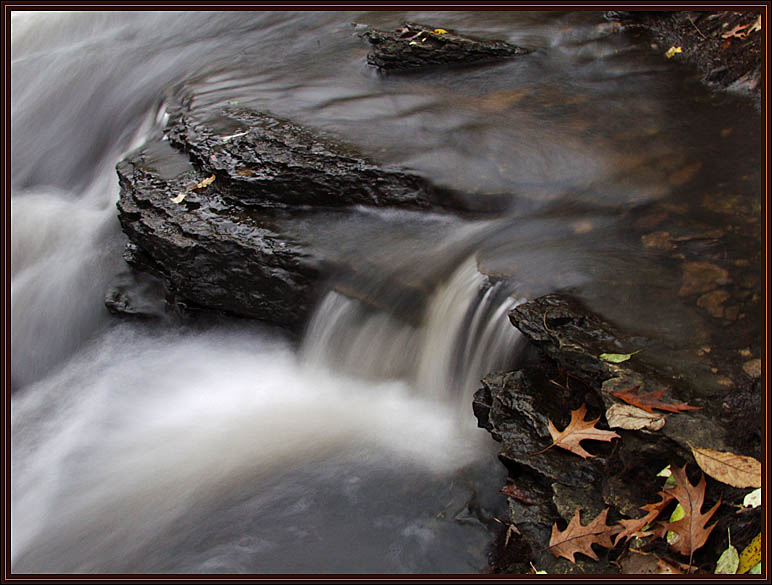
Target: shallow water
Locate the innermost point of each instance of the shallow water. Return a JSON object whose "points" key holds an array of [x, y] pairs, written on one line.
{"points": [[226, 447]]}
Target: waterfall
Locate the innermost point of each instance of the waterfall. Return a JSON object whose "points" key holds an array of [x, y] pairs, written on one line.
{"points": [[462, 334]]}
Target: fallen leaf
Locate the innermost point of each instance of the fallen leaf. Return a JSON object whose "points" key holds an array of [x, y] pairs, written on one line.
{"points": [[617, 358], [672, 51], [729, 560], [578, 430], [735, 32], [179, 197], [664, 568], [440, 31], [205, 183], [753, 499], [649, 402], [579, 539], [751, 555], [671, 536], [736, 470], [756, 26], [691, 528], [635, 526], [632, 418], [516, 493]]}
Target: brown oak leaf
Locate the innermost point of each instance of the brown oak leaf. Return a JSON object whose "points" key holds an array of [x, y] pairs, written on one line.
{"points": [[579, 539], [578, 430], [635, 526], [691, 530], [652, 400]]}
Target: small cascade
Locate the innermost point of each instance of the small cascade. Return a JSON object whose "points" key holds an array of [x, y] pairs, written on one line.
{"points": [[463, 334]]}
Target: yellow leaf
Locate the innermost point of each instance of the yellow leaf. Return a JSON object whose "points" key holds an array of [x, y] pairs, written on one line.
{"points": [[751, 556], [672, 51], [735, 470], [205, 183], [442, 31], [617, 358]]}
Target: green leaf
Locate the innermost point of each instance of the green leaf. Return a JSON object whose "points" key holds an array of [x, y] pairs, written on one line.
{"points": [[729, 560], [678, 513], [753, 499], [617, 358], [755, 570]]}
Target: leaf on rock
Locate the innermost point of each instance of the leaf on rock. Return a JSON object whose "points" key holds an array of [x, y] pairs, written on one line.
{"points": [[756, 26], [751, 556], [579, 539], [617, 358], [652, 400], [691, 529], [578, 430], [736, 470], [635, 526], [632, 418], [753, 499], [736, 31], [729, 560], [205, 183]]}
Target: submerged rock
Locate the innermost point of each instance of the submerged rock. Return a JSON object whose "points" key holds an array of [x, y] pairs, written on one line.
{"points": [[415, 46]]}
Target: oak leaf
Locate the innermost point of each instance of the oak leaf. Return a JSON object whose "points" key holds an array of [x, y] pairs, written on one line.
{"points": [[691, 530], [652, 400], [736, 470], [578, 430], [635, 526], [579, 539]]}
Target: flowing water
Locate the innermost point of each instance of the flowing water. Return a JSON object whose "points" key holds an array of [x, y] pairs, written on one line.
{"points": [[229, 447]]}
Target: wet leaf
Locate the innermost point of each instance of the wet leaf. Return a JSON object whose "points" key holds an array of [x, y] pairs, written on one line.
{"points": [[578, 430], [617, 358], [729, 560], [579, 539], [736, 470], [516, 493], [753, 499], [632, 418], [691, 529], [751, 556], [649, 402], [664, 568], [735, 32], [636, 526], [672, 51], [678, 513], [205, 183], [756, 25]]}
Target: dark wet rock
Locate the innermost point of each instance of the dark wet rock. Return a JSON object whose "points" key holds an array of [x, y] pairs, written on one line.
{"points": [[622, 476], [415, 46], [264, 162], [208, 252], [137, 295]]}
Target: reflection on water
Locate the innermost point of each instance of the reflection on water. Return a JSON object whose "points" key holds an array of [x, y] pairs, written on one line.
{"points": [[136, 449]]}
